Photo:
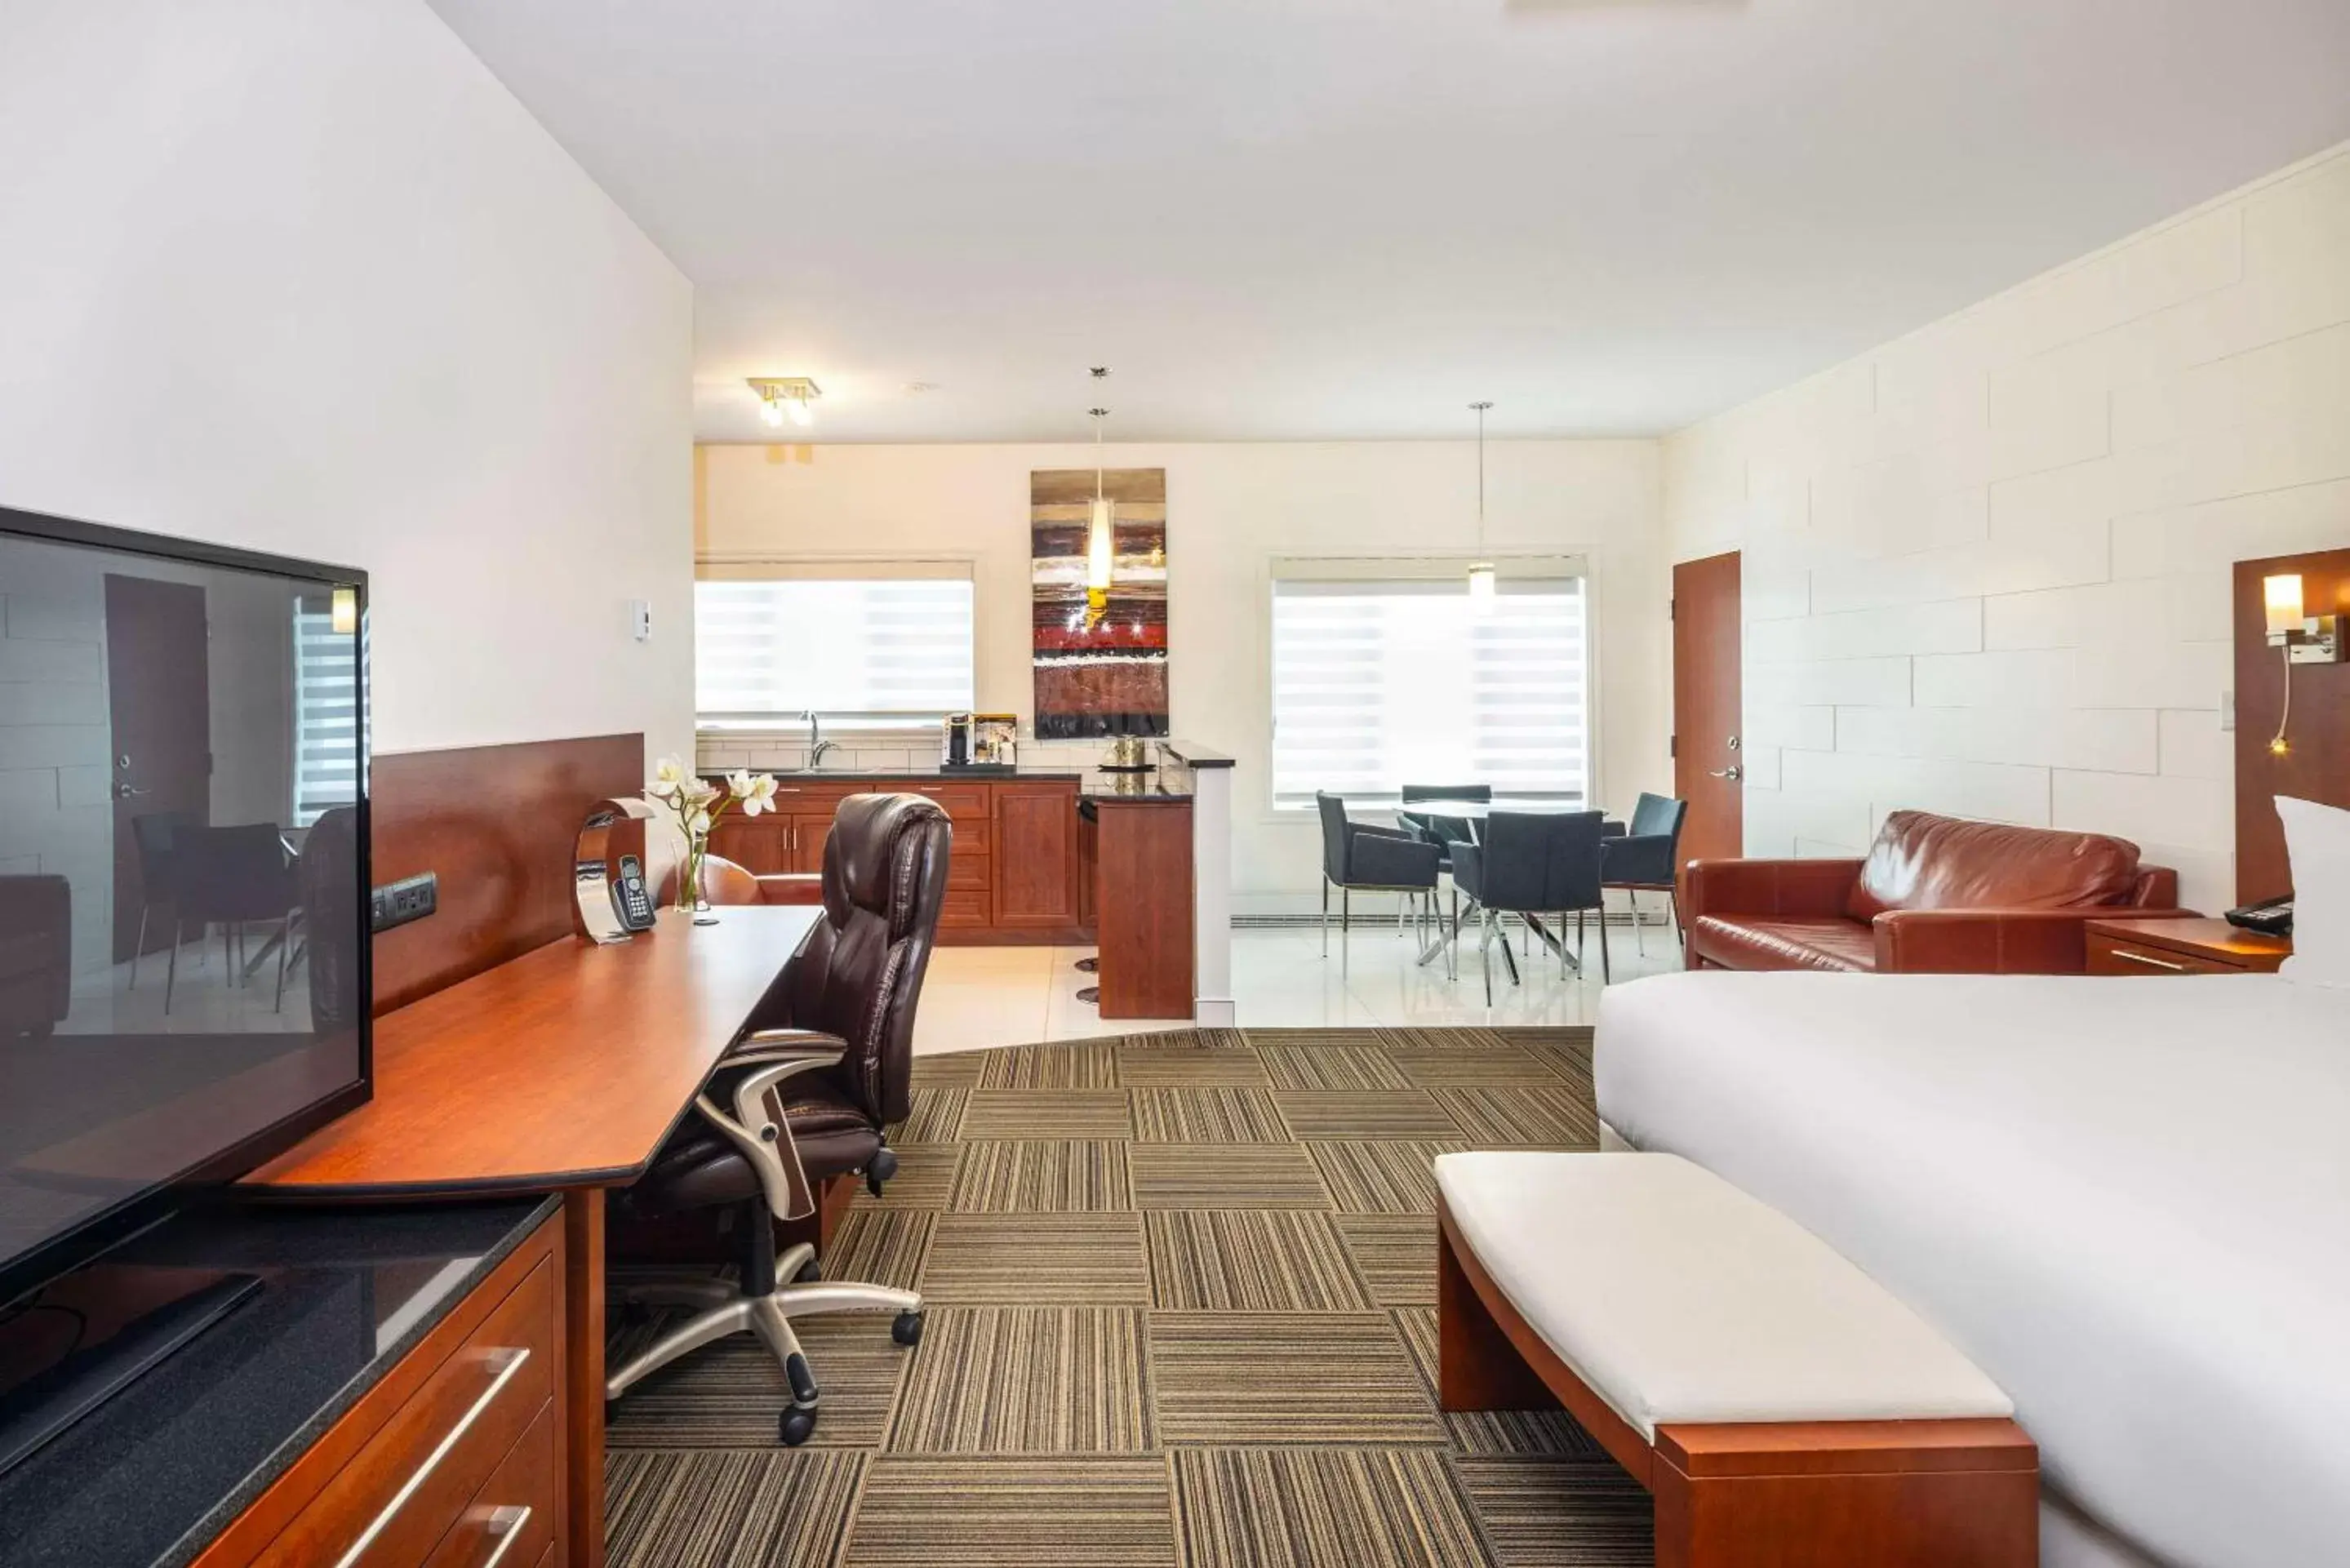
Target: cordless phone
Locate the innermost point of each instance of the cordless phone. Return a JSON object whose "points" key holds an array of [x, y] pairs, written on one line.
{"points": [[629, 900]]}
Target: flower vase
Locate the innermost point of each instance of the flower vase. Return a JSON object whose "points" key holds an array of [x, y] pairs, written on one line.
{"points": [[692, 897]]}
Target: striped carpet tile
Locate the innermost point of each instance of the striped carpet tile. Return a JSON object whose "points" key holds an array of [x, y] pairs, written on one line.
{"points": [[1455, 1039], [1331, 1067], [1321, 1508], [925, 1178], [1157, 1067], [1445, 1069], [881, 1247], [1019, 1260], [1551, 1515], [729, 1395], [1377, 1178], [1224, 1176], [1542, 1434], [1395, 1254], [920, 1512], [936, 1117], [1079, 1064], [1046, 1114], [1260, 1260], [1263, 1038], [949, 1070], [741, 1508], [1207, 1115], [1489, 1115], [1246, 1379], [1337, 1114], [1016, 1380], [1031, 1177]]}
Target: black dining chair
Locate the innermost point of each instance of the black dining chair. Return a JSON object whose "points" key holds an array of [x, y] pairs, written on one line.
{"points": [[151, 835], [1356, 855], [1648, 858], [1531, 864], [1441, 831], [232, 877]]}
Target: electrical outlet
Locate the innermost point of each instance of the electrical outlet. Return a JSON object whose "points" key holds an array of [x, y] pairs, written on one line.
{"points": [[397, 903], [2226, 711]]}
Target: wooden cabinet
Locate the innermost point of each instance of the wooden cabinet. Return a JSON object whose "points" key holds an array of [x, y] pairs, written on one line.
{"points": [[2196, 946], [1012, 877], [1036, 855], [453, 1457]]}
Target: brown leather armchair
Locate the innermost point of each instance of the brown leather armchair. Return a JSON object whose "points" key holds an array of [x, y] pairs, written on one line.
{"points": [[805, 1097], [35, 954], [1934, 894]]}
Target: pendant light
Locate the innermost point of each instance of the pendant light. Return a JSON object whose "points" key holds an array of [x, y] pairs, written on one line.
{"points": [[1101, 535], [1482, 580]]}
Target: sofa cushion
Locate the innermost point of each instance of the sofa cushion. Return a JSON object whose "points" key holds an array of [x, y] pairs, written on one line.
{"points": [[1674, 1296], [1767, 942], [1921, 861]]}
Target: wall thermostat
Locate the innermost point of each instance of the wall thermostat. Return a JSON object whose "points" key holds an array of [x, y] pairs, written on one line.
{"points": [[640, 619]]}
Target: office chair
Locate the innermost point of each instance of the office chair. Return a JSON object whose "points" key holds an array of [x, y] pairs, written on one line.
{"points": [[1645, 856], [803, 1097]]}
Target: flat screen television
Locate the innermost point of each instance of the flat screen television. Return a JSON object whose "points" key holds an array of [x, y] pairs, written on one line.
{"points": [[183, 875]]}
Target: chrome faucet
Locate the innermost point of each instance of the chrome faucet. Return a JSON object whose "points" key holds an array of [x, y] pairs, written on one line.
{"points": [[817, 744]]}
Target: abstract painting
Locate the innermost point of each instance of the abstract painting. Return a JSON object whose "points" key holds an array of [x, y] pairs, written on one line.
{"points": [[1100, 653]]}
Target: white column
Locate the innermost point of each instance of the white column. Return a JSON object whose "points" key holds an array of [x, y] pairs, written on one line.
{"points": [[1212, 898]]}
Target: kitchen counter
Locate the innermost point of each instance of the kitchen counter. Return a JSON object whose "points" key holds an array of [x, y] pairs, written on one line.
{"points": [[1061, 771]]}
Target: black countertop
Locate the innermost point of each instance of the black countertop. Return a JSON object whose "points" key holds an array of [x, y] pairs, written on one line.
{"points": [[151, 1476], [1168, 780]]}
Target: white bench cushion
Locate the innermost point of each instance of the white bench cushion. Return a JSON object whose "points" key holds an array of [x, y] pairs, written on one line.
{"points": [[1676, 1297]]}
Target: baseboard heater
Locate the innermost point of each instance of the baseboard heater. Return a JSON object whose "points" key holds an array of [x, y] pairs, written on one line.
{"points": [[1370, 917]]}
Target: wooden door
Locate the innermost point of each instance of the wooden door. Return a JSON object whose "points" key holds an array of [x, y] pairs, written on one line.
{"points": [[1036, 855], [160, 707], [1709, 767]]}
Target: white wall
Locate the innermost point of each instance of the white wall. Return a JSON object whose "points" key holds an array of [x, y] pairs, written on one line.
{"points": [[1987, 564], [1231, 509], [305, 278]]}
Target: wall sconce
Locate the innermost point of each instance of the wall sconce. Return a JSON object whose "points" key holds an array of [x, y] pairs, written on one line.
{"points": [[783, 398], [2303, 640], [343, 611]]}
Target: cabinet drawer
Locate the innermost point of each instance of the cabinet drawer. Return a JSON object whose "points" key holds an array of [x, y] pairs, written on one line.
{"points": [[967, 870], [2109, 955], [963, 910], [510, 1521], [402, 1492], [961, 802]]}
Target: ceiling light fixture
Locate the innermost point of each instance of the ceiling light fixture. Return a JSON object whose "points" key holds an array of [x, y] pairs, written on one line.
{"points": [[1101, 532], [783, 398], [1482, 580]]}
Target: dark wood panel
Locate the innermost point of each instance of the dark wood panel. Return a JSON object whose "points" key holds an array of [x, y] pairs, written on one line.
{"points": [[343, 1443], [581, 1386], [1036, 855], [1143, 909], [1707, 687], [2317, 761], [562, 1067], [497, 825]]}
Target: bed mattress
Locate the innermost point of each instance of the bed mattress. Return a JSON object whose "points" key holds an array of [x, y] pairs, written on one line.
{"points": [[2126, 1200]]}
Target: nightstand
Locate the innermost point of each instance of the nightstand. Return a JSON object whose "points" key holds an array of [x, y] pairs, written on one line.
{"points": [[2189, 946]]}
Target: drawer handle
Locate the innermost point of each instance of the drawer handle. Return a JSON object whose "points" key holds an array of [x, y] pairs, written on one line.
{"points": [[506, 1523], [2150, 961], [514, 1358]]}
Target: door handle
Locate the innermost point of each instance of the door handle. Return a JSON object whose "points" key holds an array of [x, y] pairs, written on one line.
{"points": [[125, 791], [1733, 773]]}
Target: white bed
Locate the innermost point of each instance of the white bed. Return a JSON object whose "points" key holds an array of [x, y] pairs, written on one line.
{"points": [[2127, 1201]]}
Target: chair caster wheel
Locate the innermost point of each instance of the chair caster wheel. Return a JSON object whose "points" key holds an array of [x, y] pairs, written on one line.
{"points": [[883, 1166], [802, 1382], [796, 1426], [810, 1272], [908, 1328]]}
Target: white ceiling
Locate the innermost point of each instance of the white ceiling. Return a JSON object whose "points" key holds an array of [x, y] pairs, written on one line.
{"points": [[1307, 219]]}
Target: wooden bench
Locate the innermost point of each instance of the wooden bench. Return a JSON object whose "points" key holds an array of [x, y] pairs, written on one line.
{"points": [[1779, 1406]]}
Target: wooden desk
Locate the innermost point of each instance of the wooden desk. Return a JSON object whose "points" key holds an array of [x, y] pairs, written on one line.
{"points": [[562, 1070], [2193, 945]]}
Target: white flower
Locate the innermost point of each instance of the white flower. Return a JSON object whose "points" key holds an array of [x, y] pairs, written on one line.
{"points": [[755, 793], [702, 792], [697, 827], [669, 780]]}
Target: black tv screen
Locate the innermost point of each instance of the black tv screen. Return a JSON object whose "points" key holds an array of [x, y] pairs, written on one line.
{"points": [[183, 947]]}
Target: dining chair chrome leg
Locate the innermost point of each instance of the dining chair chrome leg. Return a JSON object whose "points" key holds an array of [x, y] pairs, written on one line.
{"points": [[1673, 908], [1562, 944], [285, 942], [1639, 941], [1604, 976], [139, 946], [1326, 917], [1485, 950], [1345, 922], [171, 968]]}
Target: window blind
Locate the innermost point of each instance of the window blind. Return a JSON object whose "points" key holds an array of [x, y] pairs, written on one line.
{"points": [[326, 713], [1378, 684], [878, 645]]}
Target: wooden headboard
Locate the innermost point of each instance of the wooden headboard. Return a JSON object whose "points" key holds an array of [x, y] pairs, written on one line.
{"points": [[2316, 764], [497, 825]]}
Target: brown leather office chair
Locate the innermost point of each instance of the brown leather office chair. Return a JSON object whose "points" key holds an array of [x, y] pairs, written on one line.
{"points": [[804, 1096]]}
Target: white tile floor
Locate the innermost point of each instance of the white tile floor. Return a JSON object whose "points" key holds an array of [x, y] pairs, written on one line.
{"points": [[975, 997]]}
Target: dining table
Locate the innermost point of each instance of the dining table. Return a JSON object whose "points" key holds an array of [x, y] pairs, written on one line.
{"points": [[1474, 812]]}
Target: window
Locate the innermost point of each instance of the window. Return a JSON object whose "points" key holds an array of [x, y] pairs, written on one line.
{"points": [[326, 713], [873, 645], [1380, 682]]}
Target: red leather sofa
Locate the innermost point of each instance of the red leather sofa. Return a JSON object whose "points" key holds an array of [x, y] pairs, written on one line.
{"points": [[1935, 895]]}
